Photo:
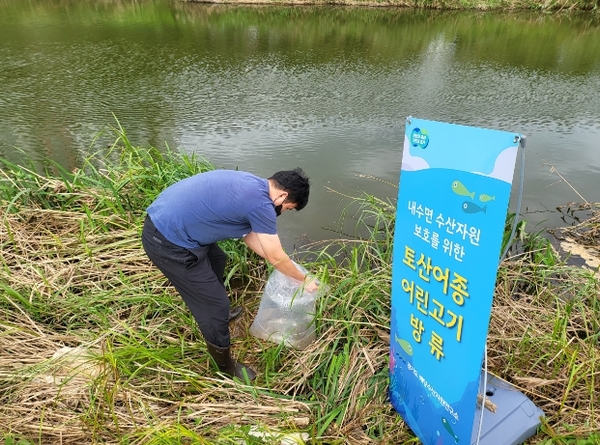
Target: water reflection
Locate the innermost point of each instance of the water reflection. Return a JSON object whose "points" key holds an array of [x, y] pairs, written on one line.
{"points": [[325, 88]]}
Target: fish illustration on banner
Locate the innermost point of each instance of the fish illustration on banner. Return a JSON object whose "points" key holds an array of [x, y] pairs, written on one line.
{"points": [[455, 185]]}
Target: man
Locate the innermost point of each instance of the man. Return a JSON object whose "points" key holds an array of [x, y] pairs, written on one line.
{"points": [[187, 219]]}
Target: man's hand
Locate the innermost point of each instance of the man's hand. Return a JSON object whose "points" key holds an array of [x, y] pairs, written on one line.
{"points": [[310, 283]]}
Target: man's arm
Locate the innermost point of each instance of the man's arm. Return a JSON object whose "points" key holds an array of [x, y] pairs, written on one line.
{"points": [[269, 247]]}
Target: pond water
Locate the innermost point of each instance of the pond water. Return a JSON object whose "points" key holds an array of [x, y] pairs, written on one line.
{"points": [[264, 88]]}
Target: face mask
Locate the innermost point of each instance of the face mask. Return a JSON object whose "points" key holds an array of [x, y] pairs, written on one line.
{"points": [[278, 209]]}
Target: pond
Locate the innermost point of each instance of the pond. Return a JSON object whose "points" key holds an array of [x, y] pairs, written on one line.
{"points": [[264, 88]]}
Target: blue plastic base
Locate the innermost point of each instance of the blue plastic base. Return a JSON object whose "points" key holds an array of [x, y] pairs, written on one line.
{"points": [[516, 417]]}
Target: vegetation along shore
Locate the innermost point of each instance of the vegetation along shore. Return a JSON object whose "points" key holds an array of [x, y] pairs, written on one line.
{"points": [[96, 347], [481, 5]]}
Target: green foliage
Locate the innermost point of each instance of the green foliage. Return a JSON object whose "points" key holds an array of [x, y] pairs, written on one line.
{"points": [[122, 181], [534, 245], [11, 440], [592, 439]]}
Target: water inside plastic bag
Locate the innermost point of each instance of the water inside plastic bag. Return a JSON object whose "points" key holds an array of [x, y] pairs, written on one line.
{"points": [[286, 312]]}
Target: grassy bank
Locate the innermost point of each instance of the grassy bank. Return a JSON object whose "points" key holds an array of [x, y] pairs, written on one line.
{"points": [[95, 347], [479, 5]]}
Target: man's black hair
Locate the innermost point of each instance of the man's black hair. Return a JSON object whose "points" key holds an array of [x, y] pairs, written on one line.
{"points": [[295, 183]]}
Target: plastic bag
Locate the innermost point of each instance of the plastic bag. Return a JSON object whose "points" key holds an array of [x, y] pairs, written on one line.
{"points": [[286, 311]]}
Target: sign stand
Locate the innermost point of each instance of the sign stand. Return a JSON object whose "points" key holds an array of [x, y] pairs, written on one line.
{"points": [[509, 418]]}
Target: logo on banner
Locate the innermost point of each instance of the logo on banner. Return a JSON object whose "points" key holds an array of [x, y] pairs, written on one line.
{"points": [[419, 138]]}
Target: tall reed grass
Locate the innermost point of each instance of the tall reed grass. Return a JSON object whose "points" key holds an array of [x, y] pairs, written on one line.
{"points": [[476, 5], [96, 347]]}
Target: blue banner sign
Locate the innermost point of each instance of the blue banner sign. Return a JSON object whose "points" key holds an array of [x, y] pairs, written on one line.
{"points": [[453, 200]]}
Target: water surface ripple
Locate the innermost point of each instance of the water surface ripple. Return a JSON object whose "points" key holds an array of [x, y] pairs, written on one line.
{"points": [[326, 88]]}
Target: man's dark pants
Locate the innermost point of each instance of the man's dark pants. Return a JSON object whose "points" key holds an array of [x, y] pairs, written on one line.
{"points": [[198, 277]]}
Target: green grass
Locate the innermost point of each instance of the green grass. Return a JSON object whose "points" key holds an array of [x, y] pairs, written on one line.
{"points": [[555, 5], [74, 279]]}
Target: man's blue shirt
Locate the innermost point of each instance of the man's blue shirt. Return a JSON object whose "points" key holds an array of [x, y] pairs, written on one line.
{"points": [[214, 206]]}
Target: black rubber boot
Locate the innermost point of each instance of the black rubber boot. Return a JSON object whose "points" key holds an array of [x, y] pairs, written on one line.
{"points": [[235, 312], [228, 365]]}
